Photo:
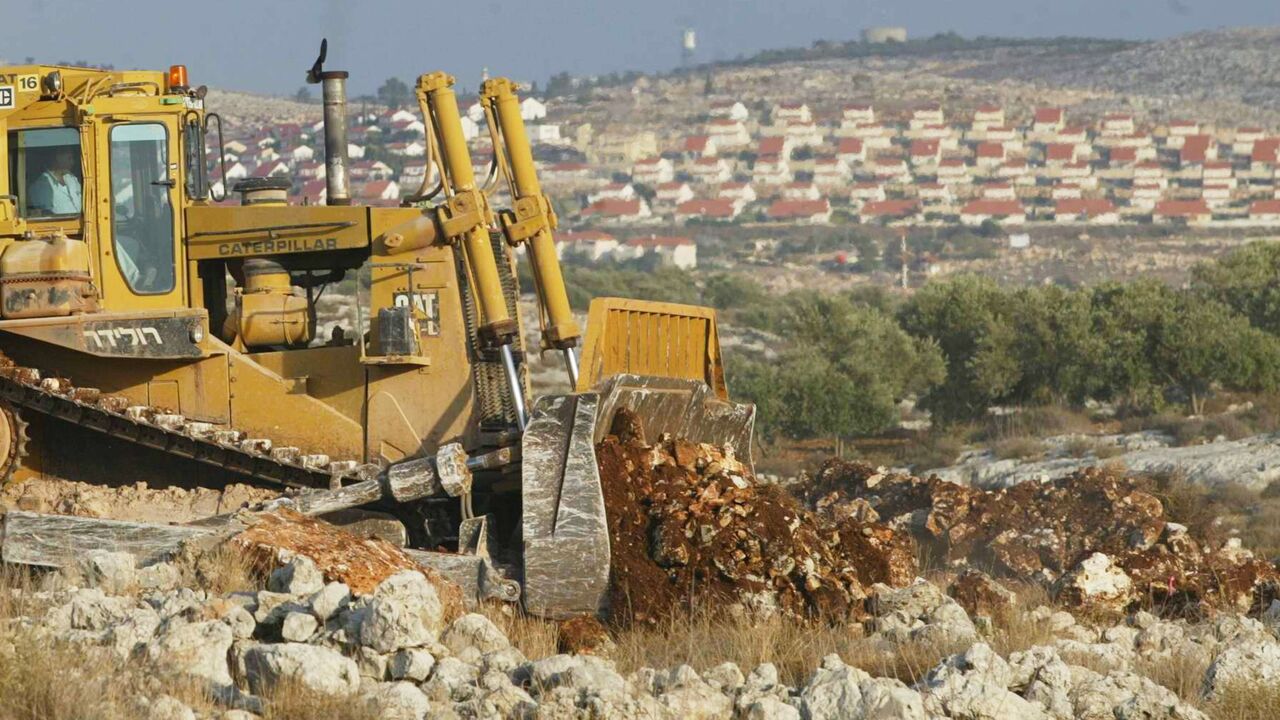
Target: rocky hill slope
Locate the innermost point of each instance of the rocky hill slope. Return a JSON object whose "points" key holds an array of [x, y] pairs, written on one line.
{"points": [[1230, 65]]}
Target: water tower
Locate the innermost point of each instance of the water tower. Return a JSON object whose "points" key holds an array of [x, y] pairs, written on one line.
{"points": [[688, 44]]}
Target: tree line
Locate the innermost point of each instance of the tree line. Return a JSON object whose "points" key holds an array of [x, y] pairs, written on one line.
{"points": [[963, 345]]}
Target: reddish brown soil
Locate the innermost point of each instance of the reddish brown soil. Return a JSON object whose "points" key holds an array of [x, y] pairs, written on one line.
{"points": [[691, 528], [1035, 532]]}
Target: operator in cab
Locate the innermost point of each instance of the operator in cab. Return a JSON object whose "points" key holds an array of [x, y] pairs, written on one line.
{"points": [[57, 191]]}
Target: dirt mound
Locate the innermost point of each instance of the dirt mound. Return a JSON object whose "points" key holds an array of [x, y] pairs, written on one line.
{"points": [[1040, 532], [138, 502], [362, 563], [689, 524]]}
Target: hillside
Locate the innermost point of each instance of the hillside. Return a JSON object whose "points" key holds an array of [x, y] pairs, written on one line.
{"points": [[1237, 65], [241, 109]]}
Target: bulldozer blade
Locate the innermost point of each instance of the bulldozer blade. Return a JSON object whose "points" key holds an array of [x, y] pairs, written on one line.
{"points": [[686, 409], [565, 527], [566, 536]]}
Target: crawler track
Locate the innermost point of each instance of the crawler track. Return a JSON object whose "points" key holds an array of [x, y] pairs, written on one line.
{"points": [[25, 388]]}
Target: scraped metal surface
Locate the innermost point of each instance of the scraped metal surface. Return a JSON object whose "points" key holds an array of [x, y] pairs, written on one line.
{"points": [[478, 578], [684, 408], [565, 532]]}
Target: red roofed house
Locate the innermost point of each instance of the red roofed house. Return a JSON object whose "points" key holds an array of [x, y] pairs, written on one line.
{"points": [[1265, 212], [1004, 212], [1191, 212], [1048, 120], [803, 134], [771, 170], [717, 209], [1196, 149], [618, 211], [935, 193], [1245, 138], [999, 191], [380, 192], [1091, 210], [1117, 125], [740, 192], [801, 191], [594, 245], [784, 112], [1122, 157], [728, 133], [926, 115], [851, 150], [830, 171], [711, 171], [811, 212], [987, 116], [1265, 154], [731, 109], [653, 171], [315, 192], [1060, 154], [866, 192], [925, 152], [857, 114], [953, 171], [988, 154], [696, 146], [776, 145], [889, 210], [892, 169], [681, 252], [673, 193], [1065, 191], [613, 191]]}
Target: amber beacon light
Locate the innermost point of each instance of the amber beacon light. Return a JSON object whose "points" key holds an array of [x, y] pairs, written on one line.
{"points": [[177, 76]]}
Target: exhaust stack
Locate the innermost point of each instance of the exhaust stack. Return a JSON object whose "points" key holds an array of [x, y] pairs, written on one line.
{"points": [[333, 86]]}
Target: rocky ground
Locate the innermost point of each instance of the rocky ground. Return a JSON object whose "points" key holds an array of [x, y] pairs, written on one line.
{"points": [[1251, 462], [854, 593], [397, 651]]}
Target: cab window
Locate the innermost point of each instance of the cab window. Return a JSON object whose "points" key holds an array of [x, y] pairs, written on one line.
{"points": [[45, 172], [142, 213]]}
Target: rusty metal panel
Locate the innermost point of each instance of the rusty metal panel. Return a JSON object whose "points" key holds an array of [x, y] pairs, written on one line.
{"points": [[658, 339], [145, 335]]}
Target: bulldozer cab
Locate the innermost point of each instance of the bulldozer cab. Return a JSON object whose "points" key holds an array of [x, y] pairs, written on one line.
{"points": [[103, 169]]}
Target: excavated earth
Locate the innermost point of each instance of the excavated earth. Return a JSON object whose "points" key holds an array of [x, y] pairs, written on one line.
{"points": [[688, 523], [136, 502], [1091, 536]]}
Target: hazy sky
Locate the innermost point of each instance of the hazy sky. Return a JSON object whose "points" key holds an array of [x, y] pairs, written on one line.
{"points": [[267, 45]]}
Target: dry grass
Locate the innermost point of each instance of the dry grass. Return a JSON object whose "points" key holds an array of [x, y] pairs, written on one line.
{"points": [[533, 636], [291, 701], [61, 681], [1182, 673], [220, 570], [1245, 702], [1019, 448], [704, 639]]}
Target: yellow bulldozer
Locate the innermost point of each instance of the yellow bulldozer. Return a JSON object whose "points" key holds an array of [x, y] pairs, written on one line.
{"points": [[152, 331]]}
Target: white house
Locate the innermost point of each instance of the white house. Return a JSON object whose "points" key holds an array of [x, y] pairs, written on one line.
{"points": [[680, 252], [593, 245], [302, 154], [613, 191], [653, 171], [673, 193], [532, 109], [786, 112], [729, 110], [740, 192]]}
